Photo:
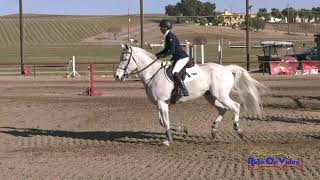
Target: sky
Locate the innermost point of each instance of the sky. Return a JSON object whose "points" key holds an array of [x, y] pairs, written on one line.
{"points": [[120, 7]]}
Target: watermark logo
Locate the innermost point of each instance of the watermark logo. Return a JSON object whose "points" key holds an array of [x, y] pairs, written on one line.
{"points": [[259, 160]]}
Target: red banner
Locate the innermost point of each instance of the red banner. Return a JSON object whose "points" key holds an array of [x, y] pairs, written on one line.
{"points": [[282, 67], [311, 67]]}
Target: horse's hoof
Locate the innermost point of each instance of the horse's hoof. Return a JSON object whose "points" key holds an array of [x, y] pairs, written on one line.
{"points": [[166, 142], [185, 130], [214, 133]]}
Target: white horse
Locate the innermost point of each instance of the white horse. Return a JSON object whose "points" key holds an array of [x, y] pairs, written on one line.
{"points": [[214, 82]]}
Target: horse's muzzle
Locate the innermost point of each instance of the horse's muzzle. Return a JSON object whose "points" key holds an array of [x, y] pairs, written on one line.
{"points": [[122, 78]]}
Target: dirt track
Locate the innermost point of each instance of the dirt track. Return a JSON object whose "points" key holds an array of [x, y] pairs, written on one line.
{"points": [[49, 131]]}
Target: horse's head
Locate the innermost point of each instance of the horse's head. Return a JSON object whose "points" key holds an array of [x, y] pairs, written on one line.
{"points": [[126, 64]]}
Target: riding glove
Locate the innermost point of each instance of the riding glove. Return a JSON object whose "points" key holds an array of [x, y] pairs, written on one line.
{"points": [[160, 55]]}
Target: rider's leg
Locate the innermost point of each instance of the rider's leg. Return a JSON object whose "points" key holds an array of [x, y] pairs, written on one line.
{"points": [[175, 71]]}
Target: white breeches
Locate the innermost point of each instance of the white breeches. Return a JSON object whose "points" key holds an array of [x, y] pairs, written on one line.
{"points": [[179, 65]]}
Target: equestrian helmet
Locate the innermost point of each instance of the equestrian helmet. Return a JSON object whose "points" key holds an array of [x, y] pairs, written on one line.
{"points": [[165, 24]]}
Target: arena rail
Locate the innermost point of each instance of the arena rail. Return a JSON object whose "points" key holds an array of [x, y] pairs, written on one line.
{"points": [[102, 68], [51, 68]]}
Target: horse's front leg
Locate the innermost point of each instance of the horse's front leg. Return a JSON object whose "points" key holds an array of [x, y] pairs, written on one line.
{"points": [[164, 113], [161, 120]]}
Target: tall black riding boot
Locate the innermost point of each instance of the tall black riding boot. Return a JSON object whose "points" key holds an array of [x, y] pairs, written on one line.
{"points": [[176, 94], [181, 84]]}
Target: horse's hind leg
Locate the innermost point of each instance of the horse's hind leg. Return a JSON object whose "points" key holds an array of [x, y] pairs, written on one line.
{"points": [[221, 111], [235, 107]]}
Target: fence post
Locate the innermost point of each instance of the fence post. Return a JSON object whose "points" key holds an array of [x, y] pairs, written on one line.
{"points": [[34, 70], [195, 53], [202, 54], [113, 70], [219, 52], [187, 47]]}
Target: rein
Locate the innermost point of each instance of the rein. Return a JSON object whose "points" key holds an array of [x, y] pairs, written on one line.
{"points": [[146, 67], [133, 73], [143, 68]]}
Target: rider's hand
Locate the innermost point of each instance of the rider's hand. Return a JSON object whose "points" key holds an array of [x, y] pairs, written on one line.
{"points": [[158, 55]]}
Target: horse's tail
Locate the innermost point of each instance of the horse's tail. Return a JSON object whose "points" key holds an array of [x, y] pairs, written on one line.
{"points": [[248, 89]]}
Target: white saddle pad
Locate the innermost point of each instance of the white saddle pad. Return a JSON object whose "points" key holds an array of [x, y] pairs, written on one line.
{"points": [[193, 74]]}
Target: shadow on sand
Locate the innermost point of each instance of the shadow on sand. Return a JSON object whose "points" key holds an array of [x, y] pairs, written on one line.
{"points": [[115, 136]]}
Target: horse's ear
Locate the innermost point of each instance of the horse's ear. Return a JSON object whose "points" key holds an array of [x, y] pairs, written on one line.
{"points": [[123, 46], [127, 46]]}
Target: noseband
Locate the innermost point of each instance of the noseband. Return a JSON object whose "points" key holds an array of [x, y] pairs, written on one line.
{"points": [[126, 73]]}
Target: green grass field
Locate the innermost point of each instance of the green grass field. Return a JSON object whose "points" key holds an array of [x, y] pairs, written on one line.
{"points": [[61, 53]]}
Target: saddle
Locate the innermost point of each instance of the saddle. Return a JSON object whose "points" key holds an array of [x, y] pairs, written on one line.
{"points": [[183, 73]]}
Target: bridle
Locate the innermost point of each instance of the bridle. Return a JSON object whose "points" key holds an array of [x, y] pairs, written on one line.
{"points": [[126, 73]]}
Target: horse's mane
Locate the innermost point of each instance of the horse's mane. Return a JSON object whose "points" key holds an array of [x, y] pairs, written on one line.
{"points": [[152, 56]]}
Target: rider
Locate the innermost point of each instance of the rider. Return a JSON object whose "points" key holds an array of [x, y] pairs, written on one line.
{"points": [[179, 57]]}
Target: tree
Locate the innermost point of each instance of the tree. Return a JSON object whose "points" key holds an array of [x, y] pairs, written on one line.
{"points": [[115, 30], [294, 15], [263, 13], [203, 21], [206, 9], [303, 14], [276, 13], [316, 12], [191, 8], [214, 20], [309, 15], [258, 23], [290, 13], [172, 10], [181, 19]]}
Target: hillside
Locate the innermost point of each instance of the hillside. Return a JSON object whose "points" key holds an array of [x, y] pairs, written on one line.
{"points": [[48, 29], [55, 38], [62, 29]]}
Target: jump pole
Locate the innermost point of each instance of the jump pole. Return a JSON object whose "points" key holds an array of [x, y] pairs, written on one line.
{"points": [[91, 90]]}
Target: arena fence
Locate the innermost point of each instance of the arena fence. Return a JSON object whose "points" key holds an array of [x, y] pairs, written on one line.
{"points": [[100, 68]]}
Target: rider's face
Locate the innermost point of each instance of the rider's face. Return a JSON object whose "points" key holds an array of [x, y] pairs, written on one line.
{"points": [[163, 30]]}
